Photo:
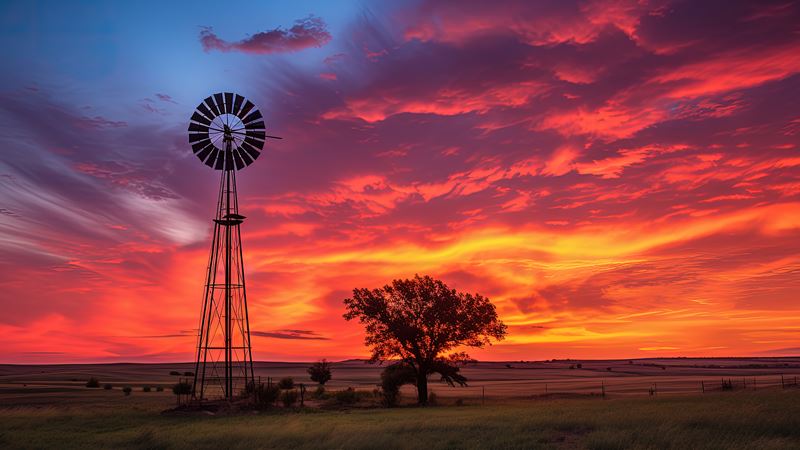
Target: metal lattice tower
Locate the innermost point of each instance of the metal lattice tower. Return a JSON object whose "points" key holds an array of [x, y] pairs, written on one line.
{"points": [[227, 133]]}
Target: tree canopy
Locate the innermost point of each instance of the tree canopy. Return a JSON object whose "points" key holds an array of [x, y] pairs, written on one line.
{"points": [[422, 322]]}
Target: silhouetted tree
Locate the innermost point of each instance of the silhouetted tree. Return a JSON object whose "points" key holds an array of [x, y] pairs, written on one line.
{"points": [[320, 372], [418, 321]]}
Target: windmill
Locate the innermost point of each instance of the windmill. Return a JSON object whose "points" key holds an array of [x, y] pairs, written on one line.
{"points": [[227, 133]]}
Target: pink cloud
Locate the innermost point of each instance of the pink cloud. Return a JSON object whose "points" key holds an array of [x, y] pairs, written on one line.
{"points": [[305, 33]]}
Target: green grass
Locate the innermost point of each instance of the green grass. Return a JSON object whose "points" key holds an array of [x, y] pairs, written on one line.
{"points": [[756, 420]]}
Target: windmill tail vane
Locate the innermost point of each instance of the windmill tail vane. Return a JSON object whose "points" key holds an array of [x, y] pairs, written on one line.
{"points": [[227, 133]]}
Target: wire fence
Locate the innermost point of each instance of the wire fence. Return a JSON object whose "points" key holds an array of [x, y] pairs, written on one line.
{"points": [[608, 387]]}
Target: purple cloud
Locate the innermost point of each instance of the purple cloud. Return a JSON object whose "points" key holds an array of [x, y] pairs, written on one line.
{"points": [[308, 32]]}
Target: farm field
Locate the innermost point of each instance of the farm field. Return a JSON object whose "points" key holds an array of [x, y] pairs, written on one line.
{"points": [[49, 407]]}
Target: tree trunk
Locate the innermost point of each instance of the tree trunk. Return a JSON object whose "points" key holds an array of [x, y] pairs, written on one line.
{"points": [[422, 387]]}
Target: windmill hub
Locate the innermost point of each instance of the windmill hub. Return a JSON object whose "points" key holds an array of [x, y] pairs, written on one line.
{"points": [[227, 133]]}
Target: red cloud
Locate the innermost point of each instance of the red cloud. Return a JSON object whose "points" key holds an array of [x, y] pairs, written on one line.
{"points": [[308, 32]]}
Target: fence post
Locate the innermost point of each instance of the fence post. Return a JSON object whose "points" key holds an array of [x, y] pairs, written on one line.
{"points": [[702, 386], [483, 395], [603, 387], [545, 389], [782, 385], [302, 393], [744, 383]]}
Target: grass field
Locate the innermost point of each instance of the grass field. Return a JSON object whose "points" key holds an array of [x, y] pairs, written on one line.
{"points": [[756, 420], [49, 407]]}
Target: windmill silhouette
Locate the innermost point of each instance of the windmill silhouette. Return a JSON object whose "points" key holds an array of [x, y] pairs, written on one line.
{"points": [[227, 133]]}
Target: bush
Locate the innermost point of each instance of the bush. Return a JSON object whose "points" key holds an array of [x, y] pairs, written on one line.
{"points": [[320, 372], [348, 396], [146, 389], [127, 390], [93, 383], [289, 397], [433, 399], [188, 374], [579, 366], [459, 402], [182, 388], [175, 373], [107, 386], [286, 383], [264, 395], [160, 389], [319, 393]]}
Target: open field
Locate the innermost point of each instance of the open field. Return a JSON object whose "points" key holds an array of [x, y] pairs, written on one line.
{"points": [[45, 384], [49, 407], [756, 420]]}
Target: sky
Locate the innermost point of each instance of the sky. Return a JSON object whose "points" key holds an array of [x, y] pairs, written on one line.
{"points": [[620, 178]]}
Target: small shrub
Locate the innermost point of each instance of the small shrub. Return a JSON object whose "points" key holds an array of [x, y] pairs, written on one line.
{"points": [[264, 395], [107, 386], [348, 396], [289, 397], [160, 389], [579, 366], [459, 402], [127, 390], [572, 367], [175, 373], [93, 383], [319, 393], [146, 389], [608, 369], [188, 374], [182, 388], [433, 399], [286, 383]]}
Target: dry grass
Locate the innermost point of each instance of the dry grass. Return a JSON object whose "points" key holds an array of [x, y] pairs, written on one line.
{"points": [[768, 419]]}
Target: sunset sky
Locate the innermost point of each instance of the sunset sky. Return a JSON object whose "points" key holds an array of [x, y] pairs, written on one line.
{"points": [[620, 178]]}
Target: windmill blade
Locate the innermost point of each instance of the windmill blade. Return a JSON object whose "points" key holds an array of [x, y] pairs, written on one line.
{"points": [[260, 135], [212, 106], [203, 154], [255, 115], [237, 159], [252, 151], [197, 146], [220, 161], [220, 103], [197, 137], [211, 159], [254, 142], [205, 111], [200, 119], [256, 126], [197, 128], [228, 160], [228, 102], [245, 157], [248, 105], [237, 105]]}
